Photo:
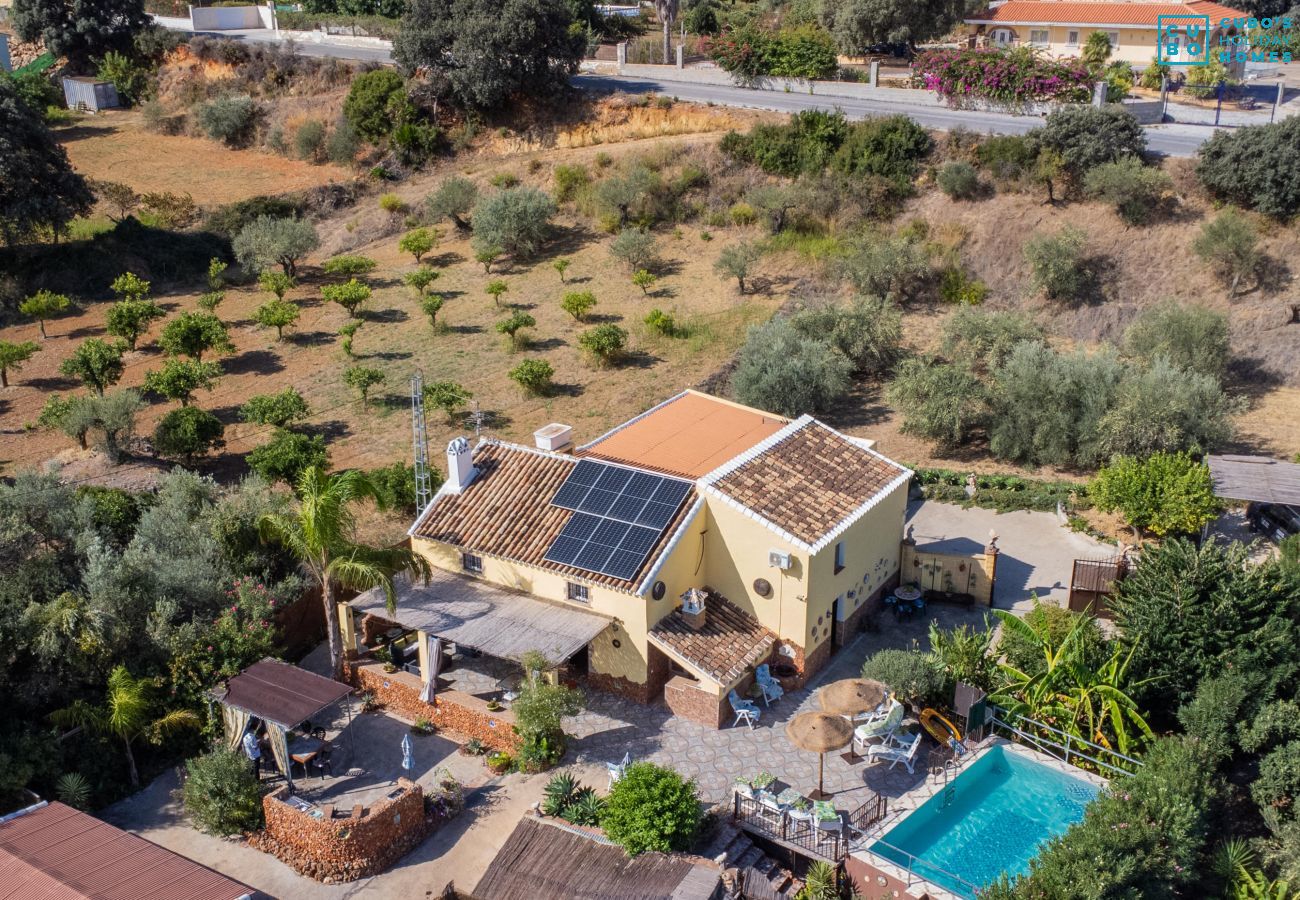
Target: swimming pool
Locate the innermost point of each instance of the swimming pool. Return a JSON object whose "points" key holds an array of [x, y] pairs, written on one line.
{"points": [[991, 819]]}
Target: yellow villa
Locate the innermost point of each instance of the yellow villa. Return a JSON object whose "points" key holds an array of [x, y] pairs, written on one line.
{"points": [[1061, 27], [668, 558]]}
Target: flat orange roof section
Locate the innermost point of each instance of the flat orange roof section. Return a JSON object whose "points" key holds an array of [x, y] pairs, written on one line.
{"points": [[689, 436]]}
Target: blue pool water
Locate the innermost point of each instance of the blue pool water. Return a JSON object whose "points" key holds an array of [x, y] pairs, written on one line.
{"points": [[993, 820]]}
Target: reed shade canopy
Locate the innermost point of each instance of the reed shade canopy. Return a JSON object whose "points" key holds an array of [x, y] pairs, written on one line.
{"points": [[851, 696], [819, 732]]}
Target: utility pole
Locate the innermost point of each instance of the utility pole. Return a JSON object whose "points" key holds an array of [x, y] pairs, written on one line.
{"points": [[420, 444]]}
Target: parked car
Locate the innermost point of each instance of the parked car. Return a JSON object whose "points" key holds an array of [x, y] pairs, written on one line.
{"points": [[1274, 520]]}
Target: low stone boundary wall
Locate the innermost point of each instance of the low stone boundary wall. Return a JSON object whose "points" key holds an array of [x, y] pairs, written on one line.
{"points": [[334, 847], [847, 89], [454, 711], [1148, 112], [229, 18]]}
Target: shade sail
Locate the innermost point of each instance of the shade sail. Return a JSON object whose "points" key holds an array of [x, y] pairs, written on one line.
{"points": [[278, 692], [851, 696], [491, 619]]}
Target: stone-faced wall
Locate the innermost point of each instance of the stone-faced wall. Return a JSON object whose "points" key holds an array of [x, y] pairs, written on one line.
{"points": [[344, 846], [687, 700], [869, 881], [463, 714]]}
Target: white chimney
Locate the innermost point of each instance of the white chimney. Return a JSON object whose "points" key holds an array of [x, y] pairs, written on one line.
{"points": [[554, 437], [693, 609], [460, 465]]}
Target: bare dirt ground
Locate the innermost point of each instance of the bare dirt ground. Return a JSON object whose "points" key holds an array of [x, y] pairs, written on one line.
{"points": [[114, 146]]}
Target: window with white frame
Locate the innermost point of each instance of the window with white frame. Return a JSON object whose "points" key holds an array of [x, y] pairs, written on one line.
{"points": [[471, 563], [1114, 39], [1038, 37], [578, 593], [1072, 39]]}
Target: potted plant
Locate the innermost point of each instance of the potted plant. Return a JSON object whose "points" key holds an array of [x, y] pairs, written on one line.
{"points": [[473, 747], [499, 762], [763, 780], [368, 701], [423, 726], [743, 787], [494, 706]]}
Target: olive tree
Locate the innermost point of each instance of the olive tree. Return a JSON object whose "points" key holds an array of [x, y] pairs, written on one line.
{"points": [[782, 370], [453, 200], [267, 241], [939, 401], [737, 261], [516, 221]]}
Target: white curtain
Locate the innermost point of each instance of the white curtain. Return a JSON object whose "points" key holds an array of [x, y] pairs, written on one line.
{"points": [[280, 749], [430, 673], [236, 722]]}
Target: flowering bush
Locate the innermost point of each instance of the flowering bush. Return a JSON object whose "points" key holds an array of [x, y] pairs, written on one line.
{"points": [[1009, 77], [750, 53], [239, 636]]}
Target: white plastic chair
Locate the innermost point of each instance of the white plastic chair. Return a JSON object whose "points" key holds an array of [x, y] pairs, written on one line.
{"points": [[881, 728], [746, 711], [616, 770], [897, 750], [770, 687]]}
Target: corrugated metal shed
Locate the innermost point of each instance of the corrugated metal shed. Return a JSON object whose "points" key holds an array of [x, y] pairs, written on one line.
{"points": [[90, 94], [1255, 478], [58, 853], [278, 692], [498, 622]]}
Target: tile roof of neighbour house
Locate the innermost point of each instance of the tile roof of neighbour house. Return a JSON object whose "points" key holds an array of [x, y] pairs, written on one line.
{"points": [[688, 435], [544, 861], [807, 482], [1134, 14], [56, 852], [506, 512], [728, 645]]}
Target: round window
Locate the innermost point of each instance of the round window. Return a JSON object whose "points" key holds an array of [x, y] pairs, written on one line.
{"points": [[658, 590], [762, 587]]}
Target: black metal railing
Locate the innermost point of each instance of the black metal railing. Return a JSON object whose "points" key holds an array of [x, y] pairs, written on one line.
{"points": [[806, 835], [869, 814]]}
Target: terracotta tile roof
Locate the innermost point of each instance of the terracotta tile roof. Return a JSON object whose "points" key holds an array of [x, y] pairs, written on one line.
{"points": [[689, 435], [1137, 13], [506, 511], [730, 642], [807, 482], [59, 853]]}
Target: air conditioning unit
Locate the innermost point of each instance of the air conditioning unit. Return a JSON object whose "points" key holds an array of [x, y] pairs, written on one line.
{"points": [[778, 560]]}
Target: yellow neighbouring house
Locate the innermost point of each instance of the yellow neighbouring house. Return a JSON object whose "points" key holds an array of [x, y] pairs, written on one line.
{"points": [[1061, 27], [669, 557]]}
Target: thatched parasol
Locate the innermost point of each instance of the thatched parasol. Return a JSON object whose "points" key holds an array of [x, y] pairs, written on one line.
{"points": [[852, 696], [819, 732]]}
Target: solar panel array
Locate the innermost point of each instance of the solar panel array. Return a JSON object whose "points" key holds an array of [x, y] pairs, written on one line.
{"points": [[618, 516]]}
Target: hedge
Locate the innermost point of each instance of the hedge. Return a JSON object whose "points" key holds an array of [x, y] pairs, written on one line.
{"points": [[1003, 493]]}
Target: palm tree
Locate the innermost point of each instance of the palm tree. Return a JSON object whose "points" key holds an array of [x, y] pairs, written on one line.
{"points": [[321, 535], [127, 714], [1068, 694], [666, 10]]}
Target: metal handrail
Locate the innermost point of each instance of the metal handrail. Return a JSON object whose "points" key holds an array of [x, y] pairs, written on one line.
{"points": [[913, 860], [1038, 741]]}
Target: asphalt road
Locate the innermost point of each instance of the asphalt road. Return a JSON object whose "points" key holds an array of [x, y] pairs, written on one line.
{"points": [[1169, 140]]}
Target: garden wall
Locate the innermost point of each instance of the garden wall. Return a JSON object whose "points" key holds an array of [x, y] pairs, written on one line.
{"points": [[847, 89], [229, 18], [332, 846], [951, 572]]}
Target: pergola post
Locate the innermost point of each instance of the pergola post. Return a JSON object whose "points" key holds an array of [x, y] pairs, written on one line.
{"points": [[423, 646], [347, 629]]}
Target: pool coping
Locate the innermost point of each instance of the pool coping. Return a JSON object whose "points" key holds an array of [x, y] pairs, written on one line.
{"points": [[933, 785]]}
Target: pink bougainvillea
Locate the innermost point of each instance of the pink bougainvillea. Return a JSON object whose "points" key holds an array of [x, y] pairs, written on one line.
{"points": [[1009, 77]]}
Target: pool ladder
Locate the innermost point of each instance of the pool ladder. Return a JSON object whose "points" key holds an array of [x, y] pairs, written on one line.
{"points": [[949, 789]]}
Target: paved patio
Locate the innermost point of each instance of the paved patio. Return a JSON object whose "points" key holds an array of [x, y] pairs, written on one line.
{"points": [[611, 727]]}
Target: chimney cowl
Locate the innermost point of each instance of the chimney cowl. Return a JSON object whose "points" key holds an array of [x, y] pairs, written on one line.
{"points": [[695, 608], [460, 465]]}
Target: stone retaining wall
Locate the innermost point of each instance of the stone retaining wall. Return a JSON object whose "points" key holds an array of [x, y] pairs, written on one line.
{"points": [[686, 699], [463, 714], [344, 846]]}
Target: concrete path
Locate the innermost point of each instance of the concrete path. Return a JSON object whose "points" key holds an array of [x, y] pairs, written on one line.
{"points": [[1038, 552]]}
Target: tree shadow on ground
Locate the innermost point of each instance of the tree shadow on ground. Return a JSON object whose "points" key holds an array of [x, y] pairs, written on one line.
{"points": [[465, 329], [543, 344], [385, 316], [387, 355], [53, 383], [310, 338], [254, 362]]}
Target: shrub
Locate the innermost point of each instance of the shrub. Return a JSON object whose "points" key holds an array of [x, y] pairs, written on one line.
{"points": [[363, 378], [392, 203], [890, 147], [1230, 245], [570, 181], [1136, 191], [604, 342], [635, 249], [372, 101], [277, 314], [231, 219], [221, 795], [534, 376], [228, 119], [955, 286], [652, 808], [958, 180], [804, 145], [1166, 493], [268, 241], [884, 266], [1008, 157], [279, 410], [578, 304], [1090, 136], [193, 334], [940, 402], [287, 455], [910, 674], [1257, 167], [983, 339], [395, 485], [513, 326], [1054, 623], [187, 432], [737, 260], [661, 323], [869, 332], [418, 242], [415, 142], [781, 370], [517, 220], [349, 265], [447, 396], [1190, 337], [343, 143], [1008, 77], [309, 140], [349, 295], [804, 51], [1278, 785], [1057, 263]]}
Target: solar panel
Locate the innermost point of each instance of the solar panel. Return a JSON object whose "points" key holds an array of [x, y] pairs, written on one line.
{"points": [[619, 516]]}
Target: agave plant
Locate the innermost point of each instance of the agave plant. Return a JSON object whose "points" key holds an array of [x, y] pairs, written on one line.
{"points": [[1091, 704], [559, 793], [73, 789], [1252, 884], [586, 809], [819, 883]]}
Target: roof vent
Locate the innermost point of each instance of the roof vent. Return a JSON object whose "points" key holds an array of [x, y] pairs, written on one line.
{"points": [[693, 609], [555, 437]]}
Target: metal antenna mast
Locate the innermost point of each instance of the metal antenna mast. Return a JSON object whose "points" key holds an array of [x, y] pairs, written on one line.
{"points": [[420, 442]]}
